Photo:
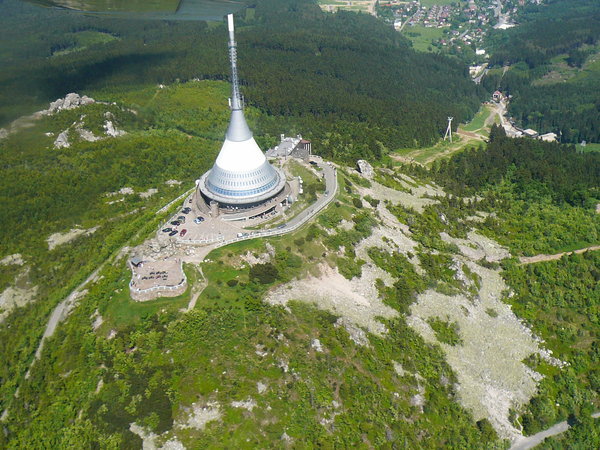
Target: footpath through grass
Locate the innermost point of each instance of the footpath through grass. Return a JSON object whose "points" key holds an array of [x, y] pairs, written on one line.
{"points": [[443, 149]]}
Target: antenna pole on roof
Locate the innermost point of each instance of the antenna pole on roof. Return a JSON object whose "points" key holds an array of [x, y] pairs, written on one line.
{"points": [[236, 102]]}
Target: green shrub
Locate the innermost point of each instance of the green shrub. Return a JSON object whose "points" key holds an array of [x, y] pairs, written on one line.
{"points": [[446, 332], [265, 273]]}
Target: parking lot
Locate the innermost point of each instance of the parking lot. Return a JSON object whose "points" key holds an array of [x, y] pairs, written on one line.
{"points": [[182, 228]]}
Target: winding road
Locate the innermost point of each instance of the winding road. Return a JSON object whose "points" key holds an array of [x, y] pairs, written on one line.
{"points": [[527, 442]]}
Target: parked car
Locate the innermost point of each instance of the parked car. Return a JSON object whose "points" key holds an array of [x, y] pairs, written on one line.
{"points": [[186, 210], [167, 230], [181, 219], [173, 233], [182, 232], [176, 223]]}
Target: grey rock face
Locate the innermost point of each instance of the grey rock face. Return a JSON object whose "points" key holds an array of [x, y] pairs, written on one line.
{"points": [[71, 101], [365, 168], [62, 141], [111, 131]]}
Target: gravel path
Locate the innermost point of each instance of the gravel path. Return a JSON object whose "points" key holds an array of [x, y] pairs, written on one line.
{"points": [[542, 258]]}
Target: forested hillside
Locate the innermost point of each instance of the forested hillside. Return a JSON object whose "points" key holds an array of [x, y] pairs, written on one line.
{"points": [[538, 168], [554, 56], [235, 367], [343, 79], [541, 196]]}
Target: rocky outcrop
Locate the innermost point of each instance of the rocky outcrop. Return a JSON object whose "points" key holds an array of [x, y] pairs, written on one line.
{"points": [[365, 168], [71, 101], [111, 130], [62, 141]]}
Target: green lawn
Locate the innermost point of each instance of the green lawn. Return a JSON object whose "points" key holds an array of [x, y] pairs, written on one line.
{"points": [[421, 36], [427, 155], [85, 39], [130, 5], [430, 3], [478, 121], [590, 147]]}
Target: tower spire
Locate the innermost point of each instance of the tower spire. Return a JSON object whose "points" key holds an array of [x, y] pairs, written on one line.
{"points": [[236, 101], [238, 128], [241, 176]]}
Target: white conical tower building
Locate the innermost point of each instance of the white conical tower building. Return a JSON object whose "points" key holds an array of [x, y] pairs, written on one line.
{"points": [[241, 176]]}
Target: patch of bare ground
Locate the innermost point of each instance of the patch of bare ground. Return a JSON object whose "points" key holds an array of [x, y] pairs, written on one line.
{"points": [[149, 193], [491, 375], [56, 239], [153, 441], [15, 297], [19, 293], [418, 198], [542, 258], [12, 260], [198, 415], [356, 300], [477, 247], [262, 258]]}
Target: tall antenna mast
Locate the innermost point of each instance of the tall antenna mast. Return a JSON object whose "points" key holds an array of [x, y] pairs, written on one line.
{"points": [[449, 129], [236, 99]]}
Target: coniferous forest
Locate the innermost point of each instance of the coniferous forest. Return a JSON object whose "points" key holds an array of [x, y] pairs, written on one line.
{"points": [[554, 68], [233, 370], [346, 78]]}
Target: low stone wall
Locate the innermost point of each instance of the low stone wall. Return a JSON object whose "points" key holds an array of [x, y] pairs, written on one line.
{"points": [[158, 291], [152, 279]]}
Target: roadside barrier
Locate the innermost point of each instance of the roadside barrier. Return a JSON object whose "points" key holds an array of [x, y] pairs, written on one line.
{"points": [[159, 288], [220, 242]]}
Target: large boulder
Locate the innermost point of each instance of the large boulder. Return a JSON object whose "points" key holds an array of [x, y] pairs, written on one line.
{"points": [[365, 168], [111, 130], [62, 141]]}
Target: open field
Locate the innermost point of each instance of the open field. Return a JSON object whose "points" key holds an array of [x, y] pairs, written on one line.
{"points": [[480, 120], [589, 147], [430, 3], [357, 6], [421, 36], [561, 71], [442, 149], [82, 40]]}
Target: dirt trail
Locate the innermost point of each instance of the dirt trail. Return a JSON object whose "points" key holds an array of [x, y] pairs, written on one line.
{"points": [[542, 257], [197, 291]]}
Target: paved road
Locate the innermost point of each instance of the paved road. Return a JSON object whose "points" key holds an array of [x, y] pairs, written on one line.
{"points": [[330, 189], [527, 442], [500, 109]]}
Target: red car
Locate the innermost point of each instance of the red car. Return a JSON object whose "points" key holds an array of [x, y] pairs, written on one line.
{"points": [[182, 232]]}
